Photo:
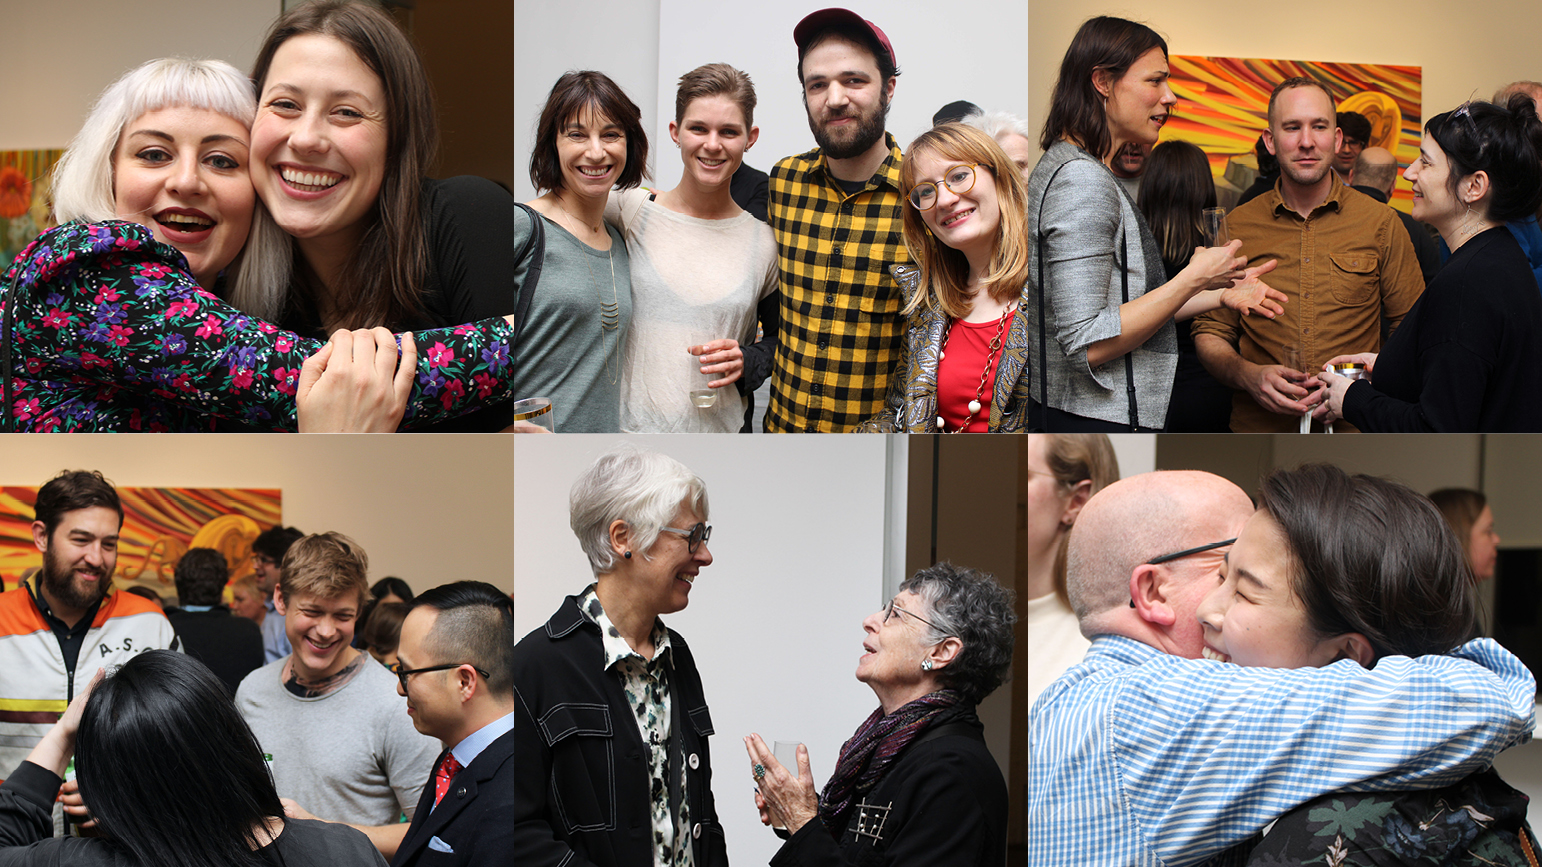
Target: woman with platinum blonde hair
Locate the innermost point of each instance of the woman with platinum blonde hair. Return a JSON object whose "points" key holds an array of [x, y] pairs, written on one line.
{"points": [[915, 784], [621, 745], [114, 320]]}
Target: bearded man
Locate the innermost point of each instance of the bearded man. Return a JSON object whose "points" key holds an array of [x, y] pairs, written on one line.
{"points": [[66, 618], [1345, 262], [836, 212]]}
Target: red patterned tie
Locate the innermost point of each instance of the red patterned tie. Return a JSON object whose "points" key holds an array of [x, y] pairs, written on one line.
{"points": [[448, 768]]}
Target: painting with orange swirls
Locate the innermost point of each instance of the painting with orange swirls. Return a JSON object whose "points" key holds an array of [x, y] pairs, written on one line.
{"points": [[24, 199], [159, 526], [1223, 105]]}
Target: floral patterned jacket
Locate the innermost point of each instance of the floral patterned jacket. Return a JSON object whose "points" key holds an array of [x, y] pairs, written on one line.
{"points": [[110, 333], [911, 403]]}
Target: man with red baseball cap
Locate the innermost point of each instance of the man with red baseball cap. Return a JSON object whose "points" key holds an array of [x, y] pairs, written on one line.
{"points": [[836, 212]]}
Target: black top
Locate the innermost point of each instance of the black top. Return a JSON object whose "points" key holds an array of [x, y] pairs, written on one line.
{"points": [[1466, 358], [471, 275], [946, 807], [581, 779], [1423, 242], [26, 826], [230, 646], [751, 190]]}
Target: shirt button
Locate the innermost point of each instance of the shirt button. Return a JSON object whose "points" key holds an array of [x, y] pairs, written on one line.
{"points": [[836, 251], [1307, 260], [696, 832], [823, 343], [694, 761], [830, 299]]}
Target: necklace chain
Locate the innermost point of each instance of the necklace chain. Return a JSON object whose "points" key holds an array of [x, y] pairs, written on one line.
{"points": [[990, 358]]}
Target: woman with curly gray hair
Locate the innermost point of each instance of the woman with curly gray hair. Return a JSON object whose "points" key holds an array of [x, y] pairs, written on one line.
{"points": [[612, 725], [915, 784]]}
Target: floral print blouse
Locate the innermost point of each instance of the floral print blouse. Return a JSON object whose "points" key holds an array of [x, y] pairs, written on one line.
{"points": [[110, 333]]}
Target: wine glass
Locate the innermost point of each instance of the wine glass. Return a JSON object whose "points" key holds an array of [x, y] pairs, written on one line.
{"points": [[1293, 360], [536, 411], [786, 752], [1213, 223]]}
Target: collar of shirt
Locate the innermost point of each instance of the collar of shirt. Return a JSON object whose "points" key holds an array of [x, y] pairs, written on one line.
{"points": [[473, 744], [196, 608], [615, 647], [58, 626], [1334, 200], [888, 174]]}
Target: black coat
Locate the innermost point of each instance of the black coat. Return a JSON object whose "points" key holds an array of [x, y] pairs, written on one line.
{"points": [[947, 808], [231, 646], [581, 779], [473, 817]]}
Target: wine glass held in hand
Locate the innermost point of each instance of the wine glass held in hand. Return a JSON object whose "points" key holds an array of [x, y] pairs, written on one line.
{"points": [[1213, 223]]}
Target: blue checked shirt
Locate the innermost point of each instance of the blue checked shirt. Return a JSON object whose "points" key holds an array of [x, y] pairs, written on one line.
{"points": [[1141, 758]]}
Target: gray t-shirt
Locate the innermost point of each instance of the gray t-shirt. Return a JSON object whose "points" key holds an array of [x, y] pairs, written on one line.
{"points": [[348, 756], [572, 344]]}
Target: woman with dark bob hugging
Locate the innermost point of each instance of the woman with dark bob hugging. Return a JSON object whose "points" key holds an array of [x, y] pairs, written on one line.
{"points": [[1465, 359], [611, 725], [1351, 571], [915, 784], [173, 778]]}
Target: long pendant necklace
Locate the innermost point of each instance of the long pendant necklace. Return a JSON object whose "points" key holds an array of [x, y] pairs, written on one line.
{"points": [[990, 358]]}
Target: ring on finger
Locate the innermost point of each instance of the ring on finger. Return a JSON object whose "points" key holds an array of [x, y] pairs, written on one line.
{"points": [[759, 771]]}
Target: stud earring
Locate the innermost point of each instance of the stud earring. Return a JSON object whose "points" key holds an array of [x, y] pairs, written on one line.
{"points": [[627, 555], [926, 665]]}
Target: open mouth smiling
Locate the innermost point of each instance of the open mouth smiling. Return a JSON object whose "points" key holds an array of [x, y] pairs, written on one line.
{"points": [[309, 181]]}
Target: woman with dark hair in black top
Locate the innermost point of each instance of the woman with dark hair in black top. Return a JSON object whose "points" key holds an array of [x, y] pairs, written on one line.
{"points": [[1465, 358]]}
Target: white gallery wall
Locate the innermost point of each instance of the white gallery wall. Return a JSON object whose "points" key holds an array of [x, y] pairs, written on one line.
{"points": [[645, 45], [775, 623]]}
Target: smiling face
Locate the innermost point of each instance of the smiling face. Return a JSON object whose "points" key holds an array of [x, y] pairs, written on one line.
{"points": [[668, 570], [1430, 175], [712, 139], [182, 173], [1483, 545], [1139, 101], [1303, 135], [846, 100], [79, 558], [320, 631], [591, 149], [319, 140], [967, 221], [1254, 617]]}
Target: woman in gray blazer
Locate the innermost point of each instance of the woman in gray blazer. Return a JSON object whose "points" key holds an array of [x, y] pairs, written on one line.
{"points": [[1100, 309]]}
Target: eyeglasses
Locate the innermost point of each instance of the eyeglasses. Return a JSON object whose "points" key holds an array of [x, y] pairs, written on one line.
{"points": [[1187, 551], [959, 179], [402, 672], [694, 537], [892, 607], [264, 560], [1353, 143]]}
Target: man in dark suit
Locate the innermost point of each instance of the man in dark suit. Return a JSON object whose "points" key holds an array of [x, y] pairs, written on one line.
{"points": [[455, 664], [231, 646]]}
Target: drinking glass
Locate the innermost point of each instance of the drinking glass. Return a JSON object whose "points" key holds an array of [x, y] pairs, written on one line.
{"points": [[536, 411], [1213, 222], [786, 752], [701, 396], [1293, 361]]}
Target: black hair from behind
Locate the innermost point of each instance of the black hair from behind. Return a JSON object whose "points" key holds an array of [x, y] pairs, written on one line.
{"points": [[475, 625], [173, 774]]}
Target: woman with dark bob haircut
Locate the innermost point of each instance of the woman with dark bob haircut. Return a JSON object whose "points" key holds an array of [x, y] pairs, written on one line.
{"points": [[1465, 359], [172, 776], [572, 340], [1099, 290], [1471, 517], [1345, 571], [1174, 192], [934, 653]]}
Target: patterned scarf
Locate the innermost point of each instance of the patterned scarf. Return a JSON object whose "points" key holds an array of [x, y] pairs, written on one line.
{"points": [[878, 741]]}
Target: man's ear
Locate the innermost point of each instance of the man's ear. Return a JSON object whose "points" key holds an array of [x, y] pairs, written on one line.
{"points": [[40, 536], [1269, 142], [1148, 595], [278, 601]]}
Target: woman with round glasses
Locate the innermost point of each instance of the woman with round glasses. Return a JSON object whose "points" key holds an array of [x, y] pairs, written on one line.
{"points": [[915, 784], [1100, 311], [965, 348], [1465, 359], [612, 725]]}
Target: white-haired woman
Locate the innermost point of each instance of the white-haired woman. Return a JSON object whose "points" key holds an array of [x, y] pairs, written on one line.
{"points": [[610, 747], [915, 784], [113, 321], [1009, 131]]}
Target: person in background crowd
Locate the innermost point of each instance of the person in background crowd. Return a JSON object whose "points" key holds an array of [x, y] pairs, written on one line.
{"points": [[1356, 135], [1375, 174], [341, 742], [268, 551], [381, 631], [230, 646], [1009, 131], [1469, 514], [247, 600]]}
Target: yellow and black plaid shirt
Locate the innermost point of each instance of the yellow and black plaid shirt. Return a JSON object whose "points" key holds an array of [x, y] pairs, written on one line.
{"points": [[841, 325]]}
